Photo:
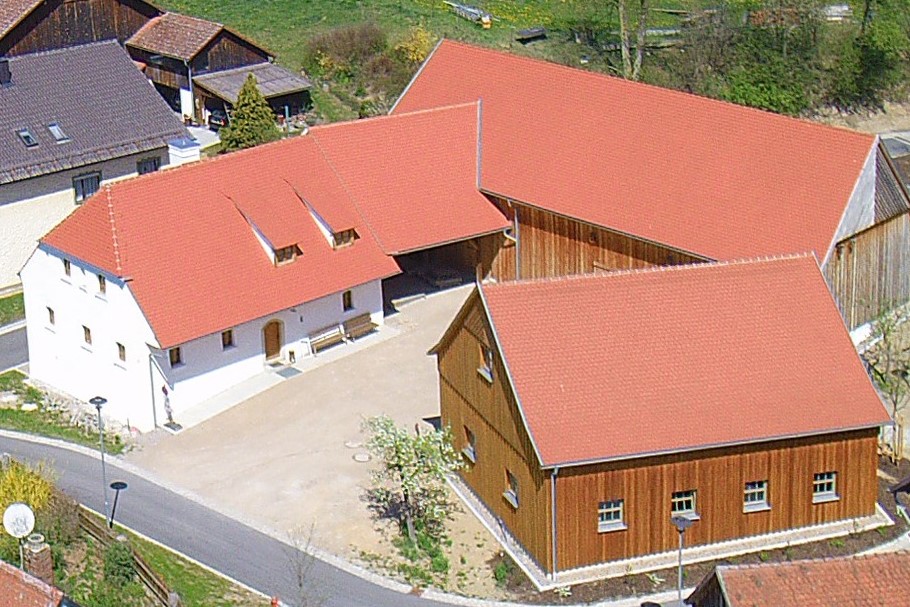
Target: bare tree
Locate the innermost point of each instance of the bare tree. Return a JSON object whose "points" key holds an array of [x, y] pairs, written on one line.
{"points": [[631, 67], [302, 562], [888, 360]]}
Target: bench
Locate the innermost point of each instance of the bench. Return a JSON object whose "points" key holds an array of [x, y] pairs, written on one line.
{"points": [[359, 326], [325, 337]]}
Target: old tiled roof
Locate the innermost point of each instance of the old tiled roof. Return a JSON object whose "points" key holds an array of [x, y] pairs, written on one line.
{"points": [[272, 80], [175, 35], [19, 589], [14, 11], [198, 214], [703, 176], [656, 361], [102, 103], [859, 581]]}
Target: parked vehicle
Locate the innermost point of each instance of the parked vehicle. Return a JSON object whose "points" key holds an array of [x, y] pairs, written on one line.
{"points": [[218, 119]]}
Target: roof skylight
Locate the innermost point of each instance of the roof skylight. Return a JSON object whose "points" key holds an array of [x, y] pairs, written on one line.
{"points": [[27, 138], [57, 132]]}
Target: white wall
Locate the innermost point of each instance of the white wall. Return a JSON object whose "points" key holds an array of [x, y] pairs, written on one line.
{"points": [[30, 208], [60, 357]]}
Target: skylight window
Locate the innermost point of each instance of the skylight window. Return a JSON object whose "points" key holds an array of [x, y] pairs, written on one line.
{"points": [[57, 132], [27, 138]]}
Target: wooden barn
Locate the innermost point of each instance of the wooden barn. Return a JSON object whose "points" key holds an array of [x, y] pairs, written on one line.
{"points": [[603, 174], [591, 409]]}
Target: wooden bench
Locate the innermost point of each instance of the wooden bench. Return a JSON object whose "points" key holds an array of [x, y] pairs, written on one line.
{"points": [[359, 326], [325, 337]]}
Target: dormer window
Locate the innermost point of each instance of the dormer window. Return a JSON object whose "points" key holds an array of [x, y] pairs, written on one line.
{"points": [[286, 254], [27, 138], [57, 131], [344, 238]]}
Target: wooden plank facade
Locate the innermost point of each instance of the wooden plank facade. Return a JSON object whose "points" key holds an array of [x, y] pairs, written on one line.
{"points": [[487, 413], [61, 23]]}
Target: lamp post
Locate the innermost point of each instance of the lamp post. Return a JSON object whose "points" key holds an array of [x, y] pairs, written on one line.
{"points": [[99, 401], [681, 523], [117, 486]]}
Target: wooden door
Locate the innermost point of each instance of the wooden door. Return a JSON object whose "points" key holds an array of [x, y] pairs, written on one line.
{"points": [[272, 335]]}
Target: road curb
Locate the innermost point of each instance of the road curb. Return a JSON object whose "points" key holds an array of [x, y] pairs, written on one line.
{"points": [[13, 326], [329, 558]]}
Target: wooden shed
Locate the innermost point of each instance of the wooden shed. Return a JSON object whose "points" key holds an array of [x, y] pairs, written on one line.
{"points": [[592, 408]]}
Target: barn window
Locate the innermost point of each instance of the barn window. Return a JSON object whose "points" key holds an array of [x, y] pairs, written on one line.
{"points": [[470, 448], [824, 487], [511, 492], [27, 138], [485, 365], [682, 503], [755, 496], [611, 516], [57, 131], [86, 185]]}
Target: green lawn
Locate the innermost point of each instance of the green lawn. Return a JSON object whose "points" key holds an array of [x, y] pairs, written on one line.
{"points": [[12, 308]]}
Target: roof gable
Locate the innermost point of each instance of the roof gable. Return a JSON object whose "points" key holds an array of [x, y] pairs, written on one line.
{"points": [[700, 175], [12, 12], [175, 35], [757, 348]]}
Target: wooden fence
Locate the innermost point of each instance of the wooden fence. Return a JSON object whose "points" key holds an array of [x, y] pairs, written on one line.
{"points": [[98, 530], [869, 272]]}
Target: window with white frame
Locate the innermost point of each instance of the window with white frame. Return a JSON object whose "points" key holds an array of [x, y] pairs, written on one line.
{"points": [[824, 487], [611, 516], [87, 335], [86, 186], [682, 503], [121, 352], [227, 339], [67, 267], [102, 284], [51, 317], [511, 492], [755, 496], [470, 447]]}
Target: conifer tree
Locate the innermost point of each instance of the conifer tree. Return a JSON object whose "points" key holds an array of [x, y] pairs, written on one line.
{"points": [[252, 121]]}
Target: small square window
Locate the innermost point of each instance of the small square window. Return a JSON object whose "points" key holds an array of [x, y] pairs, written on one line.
{"points": [[86, 186], [227, 339], [67, 267], [51, 320], [121, 351], [347, 301], [57, 132], [824, 487], [148, 165], [470, 448], [511, 492], [611, 516], [485, 367], [27, 138], [87, 335], [682, 503], [755, 496], [175, 356], [102, 284]]}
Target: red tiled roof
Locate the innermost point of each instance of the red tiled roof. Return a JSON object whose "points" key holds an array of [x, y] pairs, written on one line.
{"points": [[704, 176], [416, 185], [635, 363], [175, 35], [181, 236], [19, 589], [861, 581], [14, 11]]}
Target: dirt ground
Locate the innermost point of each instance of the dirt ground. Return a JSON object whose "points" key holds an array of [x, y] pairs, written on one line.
{"points": [[893, 118]]}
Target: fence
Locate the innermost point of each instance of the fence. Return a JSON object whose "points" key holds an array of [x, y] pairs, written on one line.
{"points": [[869, 272], [99, 530]]}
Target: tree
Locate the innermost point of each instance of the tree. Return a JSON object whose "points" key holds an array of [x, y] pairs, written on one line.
{"points": [[631, 68], [252, 121], [888, 360], [410, 481]]}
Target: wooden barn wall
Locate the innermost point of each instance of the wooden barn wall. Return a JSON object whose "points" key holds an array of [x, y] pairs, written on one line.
{"points": [[553, 245], [469, 400], [870, 271], [719, 478], [61, 23], [890, 196], [501, 254], [163, 70], [226, 51]]}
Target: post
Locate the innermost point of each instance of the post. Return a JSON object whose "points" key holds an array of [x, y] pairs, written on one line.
{"points": [[98, 401], [679, 574]]}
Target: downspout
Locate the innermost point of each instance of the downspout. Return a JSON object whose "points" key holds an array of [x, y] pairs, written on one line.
{"points": [[553, 474], [152, 390], [516, 230]]}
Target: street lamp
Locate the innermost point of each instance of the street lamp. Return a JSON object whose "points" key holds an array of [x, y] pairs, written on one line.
{"points": [[99, 401], [681, 523], [117, 486]]}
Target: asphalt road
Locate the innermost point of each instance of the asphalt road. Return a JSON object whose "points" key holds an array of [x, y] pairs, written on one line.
{"points": [[222, 543], [13, 349]]}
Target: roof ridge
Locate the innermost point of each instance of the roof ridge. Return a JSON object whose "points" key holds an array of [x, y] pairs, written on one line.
{"points": [[644, 85], [55, 51], [115, 241], [658, 269], [185, 16], [382, 117]]}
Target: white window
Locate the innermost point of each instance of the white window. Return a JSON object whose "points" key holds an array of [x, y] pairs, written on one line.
{"points": [[57, 131], [611, 516], [470, 448], [175, 356], [51, 317], [485, 363], [121, 352], [67, 267], [227, 339], [511, 492], [87, 335], [682, 503], [86, 185], [824, 487], [755, 496], [102, 285]]}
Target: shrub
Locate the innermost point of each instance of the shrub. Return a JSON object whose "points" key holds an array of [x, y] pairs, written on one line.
{"points": [[59, 520], [119, 566], [340, 50], [439, 563], [416, 46], [503, 570]]}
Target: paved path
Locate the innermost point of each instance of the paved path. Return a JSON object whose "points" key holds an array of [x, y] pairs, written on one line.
{"points": [[13, 348]]}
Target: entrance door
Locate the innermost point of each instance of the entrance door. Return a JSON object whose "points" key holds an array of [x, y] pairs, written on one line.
{"points": [[272, 334]]}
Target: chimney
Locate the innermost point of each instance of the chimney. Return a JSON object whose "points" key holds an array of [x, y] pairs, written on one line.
{"points": [[6, 76], [38, 559]]}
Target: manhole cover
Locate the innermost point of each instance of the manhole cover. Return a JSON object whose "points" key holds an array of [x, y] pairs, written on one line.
{"points": [[362, 457], [352, 444]]}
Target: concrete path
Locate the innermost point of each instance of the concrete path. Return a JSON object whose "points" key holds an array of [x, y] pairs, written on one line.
{"points": [[13, 346]]}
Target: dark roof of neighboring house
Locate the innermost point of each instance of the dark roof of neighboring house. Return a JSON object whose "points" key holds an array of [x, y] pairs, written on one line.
{"points": [[699, 175], [702, 356], [101, 102], [272, 80], [179, 36], [14, 11], [859, 581], [19, 589]]}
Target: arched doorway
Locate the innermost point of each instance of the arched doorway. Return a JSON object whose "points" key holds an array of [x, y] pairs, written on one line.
{"points": [[271, 334]]}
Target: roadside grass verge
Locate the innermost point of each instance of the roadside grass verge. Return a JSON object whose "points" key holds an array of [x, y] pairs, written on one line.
{"points": [[12, 308]]}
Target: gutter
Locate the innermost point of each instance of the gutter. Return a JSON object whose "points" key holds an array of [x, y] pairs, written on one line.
{"points": [[553, 474]]}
